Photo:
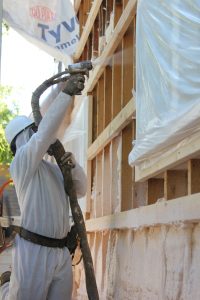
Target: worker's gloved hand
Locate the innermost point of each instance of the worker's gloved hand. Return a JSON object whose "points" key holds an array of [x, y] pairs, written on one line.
{"points": [[74, 85], [68, 159], [5, 277]]}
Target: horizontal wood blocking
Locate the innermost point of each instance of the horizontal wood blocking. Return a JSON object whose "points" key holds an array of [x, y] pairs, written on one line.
{"points": [[190, 148], [182, 210], [113, 129], [118, 33], [87, 28]]}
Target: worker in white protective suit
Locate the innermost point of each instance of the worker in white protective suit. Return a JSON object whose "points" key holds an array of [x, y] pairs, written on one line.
{"points": [[42, 272]]}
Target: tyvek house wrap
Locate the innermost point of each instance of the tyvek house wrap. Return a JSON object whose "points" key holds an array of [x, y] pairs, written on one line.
{"points": [[167, 75]]}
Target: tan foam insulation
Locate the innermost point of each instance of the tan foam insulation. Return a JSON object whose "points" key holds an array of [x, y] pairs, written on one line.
{"points": [[154, 263]]}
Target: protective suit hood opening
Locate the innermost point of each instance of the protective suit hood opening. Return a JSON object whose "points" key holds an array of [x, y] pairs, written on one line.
{"points": [[23, 137]]}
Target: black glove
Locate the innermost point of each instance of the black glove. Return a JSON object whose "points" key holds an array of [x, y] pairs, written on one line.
{"points": [[5, 277], [74, 85], [68, 159]]}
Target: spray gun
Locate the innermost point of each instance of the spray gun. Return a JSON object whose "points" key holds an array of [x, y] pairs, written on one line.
{"points": [[82, 67]]}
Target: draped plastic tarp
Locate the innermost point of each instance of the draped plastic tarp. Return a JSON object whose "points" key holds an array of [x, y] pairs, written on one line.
{"points": [[75, 138], [167, 74], [50, 25]]}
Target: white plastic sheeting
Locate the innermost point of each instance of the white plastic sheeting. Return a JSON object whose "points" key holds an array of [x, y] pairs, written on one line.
{"points": [[167, 74], [75, 139]]}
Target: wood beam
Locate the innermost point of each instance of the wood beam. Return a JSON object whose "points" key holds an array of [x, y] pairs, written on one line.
{"points": [[115, 165], [87, 28], [100, 105], [94, 115], [77, 4], [185, 210], [117, 81], [107, 182], [92, 200], [99, 185], [90, 119], [128, 64], [190, 148], [113, 129], [107, 96], [89, 187], [118, 33], [193, 176]]}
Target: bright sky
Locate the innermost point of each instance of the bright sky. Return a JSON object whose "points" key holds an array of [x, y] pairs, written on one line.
{"points": [[24, 67]]}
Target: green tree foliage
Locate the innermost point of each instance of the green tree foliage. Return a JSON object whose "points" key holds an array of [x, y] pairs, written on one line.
{"points": [[6, 114]]}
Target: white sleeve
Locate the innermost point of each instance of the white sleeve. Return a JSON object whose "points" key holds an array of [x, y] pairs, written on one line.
{"points": [[49, 125], [32, 152], [79, 180], [5, 291]]}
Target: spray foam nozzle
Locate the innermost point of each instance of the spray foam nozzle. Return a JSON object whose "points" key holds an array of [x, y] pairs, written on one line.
{"points": [[82, 67]]}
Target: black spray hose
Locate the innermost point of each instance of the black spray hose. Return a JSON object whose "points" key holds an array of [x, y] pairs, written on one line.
{"points": [[58, 151]]}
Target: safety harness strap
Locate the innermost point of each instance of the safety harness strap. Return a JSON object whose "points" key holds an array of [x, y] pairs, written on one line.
{"points": [[40, 239]]}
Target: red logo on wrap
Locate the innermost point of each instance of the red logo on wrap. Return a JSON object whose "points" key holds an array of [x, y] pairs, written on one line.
{"points": [[42, 13]]}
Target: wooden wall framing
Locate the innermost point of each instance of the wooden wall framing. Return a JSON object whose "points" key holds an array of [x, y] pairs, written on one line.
{"points": [[113, 105], [111, 26], [118, 196]]}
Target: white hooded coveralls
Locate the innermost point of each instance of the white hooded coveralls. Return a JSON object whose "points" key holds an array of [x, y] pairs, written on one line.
{"points": [[39, 272]]}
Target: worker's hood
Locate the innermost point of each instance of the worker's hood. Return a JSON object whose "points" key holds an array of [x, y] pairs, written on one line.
{"points": [[24, 137]]}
